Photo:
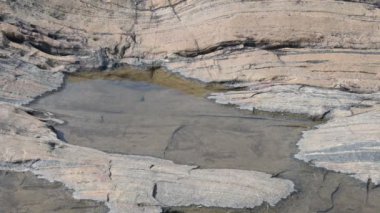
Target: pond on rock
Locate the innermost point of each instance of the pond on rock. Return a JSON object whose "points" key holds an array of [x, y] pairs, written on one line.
{"points": [[117, 115]]}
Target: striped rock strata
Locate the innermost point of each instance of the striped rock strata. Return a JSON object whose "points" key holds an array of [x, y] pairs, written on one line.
{"points": [[329, 47], [299, 99], [349, 145], [292, 42]]}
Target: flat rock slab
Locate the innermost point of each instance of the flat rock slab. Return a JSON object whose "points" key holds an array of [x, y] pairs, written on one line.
{"points": [[144, 184], [348, 144], [299, 99]]}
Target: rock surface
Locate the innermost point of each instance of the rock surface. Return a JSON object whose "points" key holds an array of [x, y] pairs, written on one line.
{"points": [[121, 116], [24, 192], [349, 144], [140, 184], [315, 102], [326, 46], [75, 35]]}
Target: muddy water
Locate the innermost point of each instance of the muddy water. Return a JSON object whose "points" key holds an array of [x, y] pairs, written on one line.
{"points": [[122, 116], [24, 192]]}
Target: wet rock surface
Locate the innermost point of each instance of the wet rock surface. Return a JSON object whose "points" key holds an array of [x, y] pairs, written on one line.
{"points": [[136, 183], [24, 192], [321, 56], [193, 130], [144, 119]]}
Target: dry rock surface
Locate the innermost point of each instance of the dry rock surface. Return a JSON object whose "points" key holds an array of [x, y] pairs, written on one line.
{"points": [[315, 102], [140, 184], [349, 144], [332, 44]]}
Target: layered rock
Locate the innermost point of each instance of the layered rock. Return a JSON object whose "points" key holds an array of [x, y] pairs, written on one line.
{"points": [[299, 99], [270, 46], [67, 36], [351, 70], [349, 145], [136, 183]]}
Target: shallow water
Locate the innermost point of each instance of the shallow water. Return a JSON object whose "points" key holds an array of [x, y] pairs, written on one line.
{"points": [[24, 192], [144, 119], [122, 116]]}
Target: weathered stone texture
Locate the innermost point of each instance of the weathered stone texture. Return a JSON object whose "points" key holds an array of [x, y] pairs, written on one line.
{"points": [[349, 144], [271, 46], [198, 39]]}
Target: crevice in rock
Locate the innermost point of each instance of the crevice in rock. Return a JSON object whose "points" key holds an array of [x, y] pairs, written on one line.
{"points": [[248, 42], [278, 174], [325, 173], [324, 115], [52, 145], [171, 139], [332, 198], [25, 163], [46, 48], [369, 187], [13, 37], [375, 3], [171, 5], [222, 45], [154, 192], [60, 135], [109, 169], [173, 9]]}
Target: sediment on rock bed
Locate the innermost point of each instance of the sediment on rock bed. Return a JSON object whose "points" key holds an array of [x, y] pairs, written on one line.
{"points": [[143, 184], [194, 130], [25, 192]]}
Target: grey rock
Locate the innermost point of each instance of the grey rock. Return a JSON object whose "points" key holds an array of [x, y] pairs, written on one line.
{"points": [[346, 144], [298, 99]]}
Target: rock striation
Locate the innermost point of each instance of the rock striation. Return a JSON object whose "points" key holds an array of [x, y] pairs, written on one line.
{"points": [[319, 58], [67, 36], [315, 102], [136, 183], [349, 145]]}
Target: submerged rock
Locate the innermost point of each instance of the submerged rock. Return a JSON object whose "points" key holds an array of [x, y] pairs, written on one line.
{"points": [[25, 192], [141, 184]]}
